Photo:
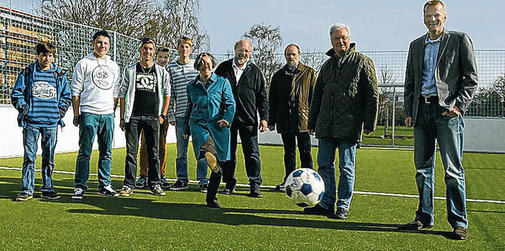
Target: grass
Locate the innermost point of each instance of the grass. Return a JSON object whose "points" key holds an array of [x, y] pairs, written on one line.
{"points": [[180, 220], [404, 136]]}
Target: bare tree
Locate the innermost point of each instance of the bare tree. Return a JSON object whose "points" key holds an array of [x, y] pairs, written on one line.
{"points": [[266, 42], [386, 77], [126, 17], [135, 18], [179, 18]]}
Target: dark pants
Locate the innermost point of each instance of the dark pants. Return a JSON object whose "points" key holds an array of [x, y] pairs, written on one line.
{"points": [[289, 140], [162, 153], [249, 138], [215, 178], [151, 127]]}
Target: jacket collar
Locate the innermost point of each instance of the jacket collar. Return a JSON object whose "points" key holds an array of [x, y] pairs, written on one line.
{"points": [[352, 48]]}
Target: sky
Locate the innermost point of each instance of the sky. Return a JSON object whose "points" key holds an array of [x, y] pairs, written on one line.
{"points": [[375, 24]]}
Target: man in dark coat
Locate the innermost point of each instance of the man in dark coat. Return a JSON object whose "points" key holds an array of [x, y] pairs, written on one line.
{"points": [[289, 101], [248, 86], [344, 103]]}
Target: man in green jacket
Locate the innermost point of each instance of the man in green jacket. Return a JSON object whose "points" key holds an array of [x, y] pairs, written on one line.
{"points": [[344, 103], [289, 101]]}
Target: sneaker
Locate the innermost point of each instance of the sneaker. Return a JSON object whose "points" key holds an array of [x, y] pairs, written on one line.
{"points": [[179, 185], [108, 191], [415, 225], [23, 197], [51, 195], [204, 188], [156, 190], [281, 187], [125, 191], [460, 233], [341, 214], [164, 182], [141, 182], [256, 193], [78, 194], [318, 210], [212, 162], [228, 190]]}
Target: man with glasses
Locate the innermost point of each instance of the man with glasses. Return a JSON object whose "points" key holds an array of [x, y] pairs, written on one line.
{"points": [[344, 104]]}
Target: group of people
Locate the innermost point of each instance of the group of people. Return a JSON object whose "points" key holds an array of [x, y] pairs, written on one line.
{"points": [[214, 105]]}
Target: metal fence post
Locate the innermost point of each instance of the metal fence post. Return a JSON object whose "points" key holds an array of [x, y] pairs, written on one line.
{"points": [[394, 118]]}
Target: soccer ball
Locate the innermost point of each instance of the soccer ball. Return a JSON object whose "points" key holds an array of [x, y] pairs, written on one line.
{"points": [[305, 187]]}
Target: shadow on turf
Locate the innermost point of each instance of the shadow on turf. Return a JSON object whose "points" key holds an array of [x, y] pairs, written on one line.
{"points": [[150, 208]]}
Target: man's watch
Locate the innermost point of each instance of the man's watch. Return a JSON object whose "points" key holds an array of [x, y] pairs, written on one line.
{"points": [[163, 116]]}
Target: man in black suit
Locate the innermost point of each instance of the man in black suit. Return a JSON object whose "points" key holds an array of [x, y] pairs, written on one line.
{"points": [[248, 85], [440, 82]]}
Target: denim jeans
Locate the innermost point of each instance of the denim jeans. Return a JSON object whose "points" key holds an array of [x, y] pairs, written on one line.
{"points": [[289, 141], [325, 160], [249, 138], [181, 163], [103, 126], [448, 132], [48, 144], [151, 127]]}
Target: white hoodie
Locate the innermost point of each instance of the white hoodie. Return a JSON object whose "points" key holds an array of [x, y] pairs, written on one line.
{"points": [[96, 81]]}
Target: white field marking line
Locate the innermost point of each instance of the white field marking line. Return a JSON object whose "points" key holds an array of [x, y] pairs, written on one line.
{"points": [[265, 186]]}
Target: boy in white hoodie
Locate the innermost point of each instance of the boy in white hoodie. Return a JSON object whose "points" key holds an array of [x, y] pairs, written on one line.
{"points": [[95, 88]]}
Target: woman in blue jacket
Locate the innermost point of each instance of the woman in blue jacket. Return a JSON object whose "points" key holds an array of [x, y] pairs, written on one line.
{"points": [[208, 117]]}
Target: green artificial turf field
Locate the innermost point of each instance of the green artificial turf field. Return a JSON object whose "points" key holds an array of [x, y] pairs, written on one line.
{"points": [[181, 221]]}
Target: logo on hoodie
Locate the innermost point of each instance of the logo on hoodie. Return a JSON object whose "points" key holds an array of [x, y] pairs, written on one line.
{"points": [[103, 77]]}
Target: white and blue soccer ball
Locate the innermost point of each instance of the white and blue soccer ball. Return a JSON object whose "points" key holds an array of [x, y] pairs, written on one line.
{"points": [[305, 187]]}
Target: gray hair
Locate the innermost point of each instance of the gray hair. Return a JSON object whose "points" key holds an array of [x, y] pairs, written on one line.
{"points": [[246, 40], [339, 26]]}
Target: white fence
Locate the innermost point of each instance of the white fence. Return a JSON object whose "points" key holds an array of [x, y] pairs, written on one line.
{"points": [[481, 135]]}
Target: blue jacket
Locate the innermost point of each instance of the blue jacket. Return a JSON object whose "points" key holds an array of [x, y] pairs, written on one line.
{"points": [[205, 108], [21, 94]]}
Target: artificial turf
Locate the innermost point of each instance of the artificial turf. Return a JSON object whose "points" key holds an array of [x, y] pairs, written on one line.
{"points": [[181, 221]]}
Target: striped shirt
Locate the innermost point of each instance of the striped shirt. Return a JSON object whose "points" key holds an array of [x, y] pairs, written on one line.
{"points": [[180, 77], [44, 111]]}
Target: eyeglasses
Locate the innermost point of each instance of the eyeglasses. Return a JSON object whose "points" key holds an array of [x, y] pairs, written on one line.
{"points": [[341, 38]]}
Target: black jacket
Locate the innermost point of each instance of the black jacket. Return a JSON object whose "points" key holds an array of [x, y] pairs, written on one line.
{"points": [[249, 92]]}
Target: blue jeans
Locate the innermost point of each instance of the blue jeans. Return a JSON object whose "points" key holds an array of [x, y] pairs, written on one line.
{"points": [[48, 144], [103, 126], [326, 162], [181, 163], [448, 132]]}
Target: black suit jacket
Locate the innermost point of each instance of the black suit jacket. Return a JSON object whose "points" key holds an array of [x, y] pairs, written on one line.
{"points": [[455, 73]]}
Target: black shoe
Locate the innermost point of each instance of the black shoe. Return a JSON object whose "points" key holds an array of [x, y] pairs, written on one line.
{"points": [[228, 190], [213, 204], [23, 197], [179, 185], [204, 188], [78, 193], [281, 187], [460, 233], [415, 225], [319, 210], [341, 214], [256, 194], [51, 195]]}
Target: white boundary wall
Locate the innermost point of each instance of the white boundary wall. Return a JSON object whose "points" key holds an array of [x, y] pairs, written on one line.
{"points": [[481, 135]]}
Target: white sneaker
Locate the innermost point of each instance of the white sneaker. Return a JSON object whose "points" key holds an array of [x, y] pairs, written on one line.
{"points": [[108, 191], [78, 194]]}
